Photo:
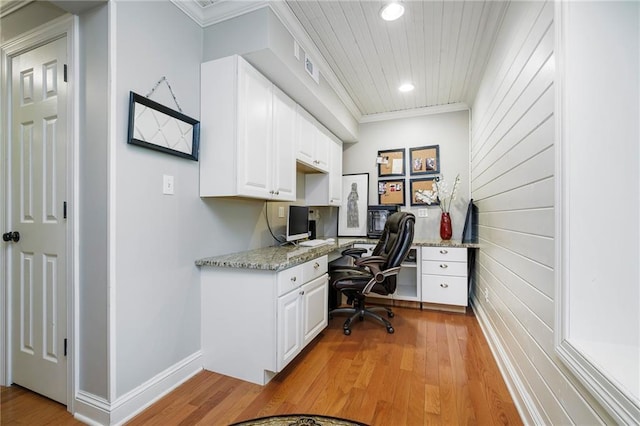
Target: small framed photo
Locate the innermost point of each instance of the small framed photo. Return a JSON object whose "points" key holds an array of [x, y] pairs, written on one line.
{"points": [[425, 160], [391, 192], [391, 162], [419, 185]]}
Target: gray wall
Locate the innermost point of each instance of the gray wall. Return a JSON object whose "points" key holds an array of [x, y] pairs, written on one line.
{"points": [[449, 130], [158, 237], [94, 207], [512, 175]]}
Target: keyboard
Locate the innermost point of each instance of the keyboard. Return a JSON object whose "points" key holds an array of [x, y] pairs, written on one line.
{"points": [[313, 243]]}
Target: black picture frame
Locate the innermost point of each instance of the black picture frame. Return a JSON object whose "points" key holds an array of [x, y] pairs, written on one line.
{"points": [[155, 126], [389, 160], [419, 185], [424, 160], [391, 192]]}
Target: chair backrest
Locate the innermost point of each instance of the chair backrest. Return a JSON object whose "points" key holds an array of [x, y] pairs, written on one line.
{"points": [[395, 242]]}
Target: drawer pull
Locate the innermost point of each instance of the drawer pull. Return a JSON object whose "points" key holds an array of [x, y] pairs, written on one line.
{"points": [[444, 265], [316, 265], [293, 279], [443, 285], [443, 251]]}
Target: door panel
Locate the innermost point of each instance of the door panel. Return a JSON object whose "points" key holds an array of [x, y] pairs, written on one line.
{"points": [[38, 153]]}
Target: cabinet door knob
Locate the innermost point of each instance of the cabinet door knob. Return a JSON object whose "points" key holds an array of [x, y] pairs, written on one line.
{"points": [[443, 251], [316, 265], [443, 285], [302, 293], [444, 265], [293, 279], [277, 192]]}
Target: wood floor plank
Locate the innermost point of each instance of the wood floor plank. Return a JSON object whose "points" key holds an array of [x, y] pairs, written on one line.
{"points": [[436, 369]]}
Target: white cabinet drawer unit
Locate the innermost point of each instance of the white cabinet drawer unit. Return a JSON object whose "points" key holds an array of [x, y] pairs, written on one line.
{"points": [[444, 276]]}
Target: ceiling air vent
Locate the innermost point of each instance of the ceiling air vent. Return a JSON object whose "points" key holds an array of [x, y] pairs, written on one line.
{"points": [[311, 69]]}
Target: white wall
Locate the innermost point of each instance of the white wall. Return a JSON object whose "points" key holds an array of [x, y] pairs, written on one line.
{"points": [[601, 50], [512, 172], [449, 130]]}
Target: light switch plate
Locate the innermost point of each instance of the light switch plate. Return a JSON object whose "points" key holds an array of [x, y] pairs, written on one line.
{"points": [[167, 184], [280, 211], [423, 213]]}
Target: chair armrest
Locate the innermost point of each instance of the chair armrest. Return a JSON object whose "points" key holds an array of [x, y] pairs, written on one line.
{"points": [[356, 253], [379, 277]]}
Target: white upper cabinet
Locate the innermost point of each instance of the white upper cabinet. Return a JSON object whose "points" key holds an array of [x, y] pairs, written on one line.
{"points": [[247, 132], [325, 189], [284, 134], [312, 144]]}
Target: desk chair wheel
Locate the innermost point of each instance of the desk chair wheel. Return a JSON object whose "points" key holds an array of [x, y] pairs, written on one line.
{"points": [[390, 314], [390, 330], [347, 331]]}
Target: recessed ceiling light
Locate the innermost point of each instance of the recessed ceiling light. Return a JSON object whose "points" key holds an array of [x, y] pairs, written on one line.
{"points": [[406, 87], [392, 11]]}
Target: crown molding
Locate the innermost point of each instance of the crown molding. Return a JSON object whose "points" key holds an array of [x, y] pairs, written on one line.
{"points": [[217, 11], [415, 112], [7, 7]]}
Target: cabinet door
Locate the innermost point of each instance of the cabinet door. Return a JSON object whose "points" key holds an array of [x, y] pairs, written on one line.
{"points": [[335, 174], [315, 308], [254, 137], [305, 136], [284, 161], [322, 150], [289, 317]]}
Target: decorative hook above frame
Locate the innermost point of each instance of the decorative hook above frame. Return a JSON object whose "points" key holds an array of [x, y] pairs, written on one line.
{"points": [[160, 128]]}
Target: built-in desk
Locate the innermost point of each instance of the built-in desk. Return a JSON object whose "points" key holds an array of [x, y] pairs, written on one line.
{"points": [[261, 307]]}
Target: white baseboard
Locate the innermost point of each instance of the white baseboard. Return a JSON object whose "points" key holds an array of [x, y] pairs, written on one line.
{"points": [[94, 410], [524, 403]]}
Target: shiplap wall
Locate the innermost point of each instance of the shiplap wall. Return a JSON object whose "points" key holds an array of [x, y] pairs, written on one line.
{"points": [[512, 182]]}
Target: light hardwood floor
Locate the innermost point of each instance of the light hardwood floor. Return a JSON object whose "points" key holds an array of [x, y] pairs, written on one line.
{"points": [[435, 369]]}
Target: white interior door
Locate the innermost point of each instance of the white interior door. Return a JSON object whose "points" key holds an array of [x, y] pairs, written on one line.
{"points": [[38, 154]]}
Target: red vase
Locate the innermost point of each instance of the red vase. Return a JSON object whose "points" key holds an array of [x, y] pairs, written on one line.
{"points": [[445, 226]]}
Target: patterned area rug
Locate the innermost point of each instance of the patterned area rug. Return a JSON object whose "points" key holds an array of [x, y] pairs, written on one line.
{"points": [[298, 420]]}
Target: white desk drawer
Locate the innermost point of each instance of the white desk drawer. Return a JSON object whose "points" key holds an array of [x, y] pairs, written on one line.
{"points": [[314, 268], [444, 290], [289, 279], [451, 254], [444, 268]]}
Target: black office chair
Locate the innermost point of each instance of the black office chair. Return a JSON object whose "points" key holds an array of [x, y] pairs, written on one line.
{"points": [[356, 276]]}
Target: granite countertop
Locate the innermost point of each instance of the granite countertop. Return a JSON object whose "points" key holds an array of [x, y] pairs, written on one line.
{"points": [[277, 258]]}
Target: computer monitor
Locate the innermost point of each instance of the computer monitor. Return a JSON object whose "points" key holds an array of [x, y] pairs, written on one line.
{"points": [[297, 223]]}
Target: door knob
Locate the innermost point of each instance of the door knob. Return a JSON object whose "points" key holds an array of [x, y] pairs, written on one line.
{"points": [[11, 236]]}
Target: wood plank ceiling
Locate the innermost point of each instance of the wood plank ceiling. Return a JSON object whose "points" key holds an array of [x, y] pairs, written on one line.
{"points": [[439, 46]]}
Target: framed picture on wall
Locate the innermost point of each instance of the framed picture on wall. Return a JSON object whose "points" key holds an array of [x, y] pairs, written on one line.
{"points": [[417, 186], [352, 214], [391, 162], [425, 160], [391, 192], [160, 128]]}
